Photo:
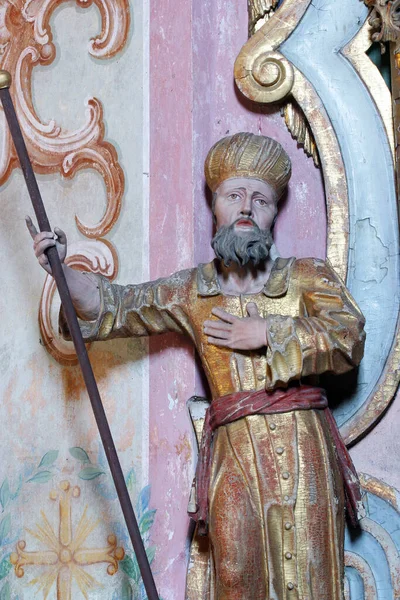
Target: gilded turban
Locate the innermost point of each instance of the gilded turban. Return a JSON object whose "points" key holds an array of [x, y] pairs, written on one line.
{"points": [[248, 155]]}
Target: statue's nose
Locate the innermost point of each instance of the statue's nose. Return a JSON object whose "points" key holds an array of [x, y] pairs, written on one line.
{"points": [[247, 207]]}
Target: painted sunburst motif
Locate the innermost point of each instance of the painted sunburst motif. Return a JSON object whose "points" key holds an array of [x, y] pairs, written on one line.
{"points": [[65, 555]]}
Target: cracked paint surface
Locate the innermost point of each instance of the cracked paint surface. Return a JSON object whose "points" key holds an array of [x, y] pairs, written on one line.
{"points": [[372, 271]]}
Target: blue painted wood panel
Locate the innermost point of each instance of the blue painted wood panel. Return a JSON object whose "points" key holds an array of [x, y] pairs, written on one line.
{"points": [[374, 273]]}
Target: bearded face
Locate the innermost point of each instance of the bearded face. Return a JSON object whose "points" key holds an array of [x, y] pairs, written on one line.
{"points": [[242, 248], [244, 211]]}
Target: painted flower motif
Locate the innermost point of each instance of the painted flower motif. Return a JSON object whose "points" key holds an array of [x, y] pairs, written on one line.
{"points": [[65, 555]]}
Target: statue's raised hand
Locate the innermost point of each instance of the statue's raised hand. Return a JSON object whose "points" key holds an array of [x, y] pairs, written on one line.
{"points": [[238, 333], [45, 239]]}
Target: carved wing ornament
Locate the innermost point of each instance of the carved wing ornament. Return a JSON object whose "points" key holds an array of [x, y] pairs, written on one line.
{"points": [[316, 51], [26, 41], [300, 130], [259, 13]]}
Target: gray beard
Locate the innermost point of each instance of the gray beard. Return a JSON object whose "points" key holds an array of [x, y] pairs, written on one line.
{"points": [[252, 246]]}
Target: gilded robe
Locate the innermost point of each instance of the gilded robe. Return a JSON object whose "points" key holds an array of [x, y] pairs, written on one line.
{"points": [[276, 495]]}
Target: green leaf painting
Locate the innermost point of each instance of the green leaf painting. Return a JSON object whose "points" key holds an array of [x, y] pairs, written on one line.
{"points": [[15, 495], [5, 526], [144, 499], [146, 521], [130, 480], [126, 591], [79, 454], [5, 593], [41, 477], [48, 459], [90, 473], [4, 493], [151, 552], [5, 566], [130, 567]]}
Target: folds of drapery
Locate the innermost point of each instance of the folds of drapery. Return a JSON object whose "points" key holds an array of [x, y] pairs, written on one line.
{"points": [[323, 331]]}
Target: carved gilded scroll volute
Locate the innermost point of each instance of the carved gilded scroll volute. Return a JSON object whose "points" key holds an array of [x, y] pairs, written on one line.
{"points": [[265, 77], [260, 11]]}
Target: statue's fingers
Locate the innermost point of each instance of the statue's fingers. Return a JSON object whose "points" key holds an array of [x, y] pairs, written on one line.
{"points": [[62, 238], [218, 333], [31, 228], [42, 235], [217, 342], [42, 246], [43, 260], [218, 325], [252, 309], [222, 314]]}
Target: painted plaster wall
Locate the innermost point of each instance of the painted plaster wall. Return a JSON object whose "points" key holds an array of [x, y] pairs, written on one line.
{"points": [[168, 96], [44, 407]]}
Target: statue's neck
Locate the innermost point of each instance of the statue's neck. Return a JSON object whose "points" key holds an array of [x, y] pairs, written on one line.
{"points": [[250, 279]]}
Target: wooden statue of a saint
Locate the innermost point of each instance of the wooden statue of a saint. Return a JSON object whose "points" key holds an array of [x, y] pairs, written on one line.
{"points": [[273, 476]]}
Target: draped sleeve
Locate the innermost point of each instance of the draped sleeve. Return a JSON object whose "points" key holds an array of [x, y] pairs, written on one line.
{"points": [[327, 336], [138, 310]]}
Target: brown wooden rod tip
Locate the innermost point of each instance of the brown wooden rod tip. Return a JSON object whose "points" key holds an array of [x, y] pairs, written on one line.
{"points": [[5, 79]]}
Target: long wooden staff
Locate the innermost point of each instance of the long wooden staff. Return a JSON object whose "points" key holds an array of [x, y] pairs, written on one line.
{"points": [[97, 406]]}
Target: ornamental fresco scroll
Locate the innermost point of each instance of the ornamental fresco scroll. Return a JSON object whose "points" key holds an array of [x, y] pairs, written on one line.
{"points": [[309, 53], [26, 41]]}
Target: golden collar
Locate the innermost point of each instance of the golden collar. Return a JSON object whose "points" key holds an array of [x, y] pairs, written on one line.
{"points": [[276, 285]]}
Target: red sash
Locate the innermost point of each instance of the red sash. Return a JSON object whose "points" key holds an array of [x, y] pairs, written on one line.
{"points": [[235, 406]]}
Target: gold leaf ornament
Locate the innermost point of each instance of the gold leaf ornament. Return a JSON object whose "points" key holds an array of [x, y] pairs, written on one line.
{"points": [[265, 78], [384, 18], [300, 129]]}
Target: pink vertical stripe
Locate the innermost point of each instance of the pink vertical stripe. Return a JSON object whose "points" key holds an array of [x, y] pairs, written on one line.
{"points": [[171, 248]]}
